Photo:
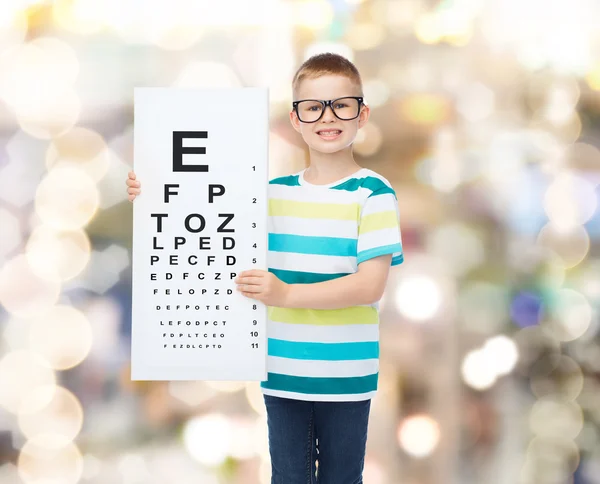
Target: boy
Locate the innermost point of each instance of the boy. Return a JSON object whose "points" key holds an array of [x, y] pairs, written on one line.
{"points": [[333, 235]]}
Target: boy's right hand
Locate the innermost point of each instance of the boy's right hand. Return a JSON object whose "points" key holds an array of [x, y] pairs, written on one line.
{"points": [[134, 186]]}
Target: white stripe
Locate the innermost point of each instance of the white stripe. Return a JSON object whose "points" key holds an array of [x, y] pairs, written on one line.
{"points": [[322, 264], [313, 227], [378, 238], [299, 194], [380, 203], [353, 397], [323, 334], [322, 368]]}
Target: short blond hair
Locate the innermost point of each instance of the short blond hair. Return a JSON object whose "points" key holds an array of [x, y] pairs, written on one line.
{"points": [[324, 64]]}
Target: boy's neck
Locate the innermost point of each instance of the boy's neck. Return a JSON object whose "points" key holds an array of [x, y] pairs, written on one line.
{"points": [[326, 168]]}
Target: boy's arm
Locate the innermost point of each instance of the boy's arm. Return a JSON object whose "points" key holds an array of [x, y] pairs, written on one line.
{"points": [[365, 286]]}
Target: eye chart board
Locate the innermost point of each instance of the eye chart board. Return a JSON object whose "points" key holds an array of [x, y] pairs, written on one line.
{"points": [[201, 156]]}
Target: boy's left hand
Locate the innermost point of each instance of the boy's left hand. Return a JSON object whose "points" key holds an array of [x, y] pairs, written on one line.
{"points": [[263, 286]]}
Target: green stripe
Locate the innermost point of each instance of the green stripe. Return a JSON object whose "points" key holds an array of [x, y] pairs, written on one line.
{"points": [[296, 277], [377, 251], [324, 317], [303, 350], [290, 181], [377, 186], [399, 259], [307, 244], [321, 386]]}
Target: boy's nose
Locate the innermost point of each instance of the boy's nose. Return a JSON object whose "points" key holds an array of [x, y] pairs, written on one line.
{"points": [[328, 114]]}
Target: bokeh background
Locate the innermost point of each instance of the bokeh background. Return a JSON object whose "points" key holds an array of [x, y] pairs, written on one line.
{"points": [[485, 117]]}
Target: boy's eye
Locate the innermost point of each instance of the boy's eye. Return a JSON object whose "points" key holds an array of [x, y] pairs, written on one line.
{"points": [[340, 105]]}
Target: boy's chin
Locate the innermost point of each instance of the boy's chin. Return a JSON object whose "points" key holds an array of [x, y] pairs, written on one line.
{"points": [[328, 146]]}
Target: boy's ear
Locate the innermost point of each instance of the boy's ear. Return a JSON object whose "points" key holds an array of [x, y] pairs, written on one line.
{"points": [[365, 112], [294, 120]]}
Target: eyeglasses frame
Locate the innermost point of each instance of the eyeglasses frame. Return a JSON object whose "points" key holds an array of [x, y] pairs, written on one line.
{"points": [[329, 103]]}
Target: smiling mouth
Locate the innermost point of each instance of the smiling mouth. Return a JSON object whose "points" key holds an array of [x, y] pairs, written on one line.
{"points": [[329, 132]]}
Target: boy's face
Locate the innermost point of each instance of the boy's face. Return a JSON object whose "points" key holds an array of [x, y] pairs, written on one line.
{"points": [[329, 134]]}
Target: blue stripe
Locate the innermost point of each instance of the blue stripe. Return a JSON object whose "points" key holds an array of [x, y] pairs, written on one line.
{"points": [[305, 244], [296, 277], [399, 259], [291, 181], [321, 386], [377, 251], [377, 186], [301, 350]]}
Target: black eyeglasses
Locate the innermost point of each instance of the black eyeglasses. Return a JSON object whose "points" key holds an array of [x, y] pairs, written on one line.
{"points": [[344, 108]]}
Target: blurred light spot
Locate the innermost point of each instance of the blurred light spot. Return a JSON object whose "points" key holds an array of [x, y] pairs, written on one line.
{"points": [[11, 234], [445, 168], [572, 246], [588, 439], [92, 466], [20, 176], [365, 36], [368, 140], [475, 102], [428, 29], [284, 156], [134, 469], [192, 393], [104, 269], [418, 435], [67, 198], [570, 315], [22, 67], [52, 118], [502, 351], [557, 376], [243, 445], [83, 148], [226, 386], [63, 415], [424, 109], [592, 77], [22, 292], [80, 16], [50, 458], [561, 103], [314, 14], [21, 373], [570, 201], [555, 419], [57, 255], [376, 91], [206, 75], [526, 309], [374, 472], [210, 451], [13, 27], [483, 307], [588, 282], [62, 335], [557, 459], [533, 343], [478, 370], [418, 297], [460, 246], [255, 398], [582, 157]]}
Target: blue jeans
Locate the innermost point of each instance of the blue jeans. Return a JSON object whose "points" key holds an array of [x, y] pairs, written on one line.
{"points": [[301, 432]]}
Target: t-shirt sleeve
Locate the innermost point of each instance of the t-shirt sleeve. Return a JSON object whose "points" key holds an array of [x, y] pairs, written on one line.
{"points": [[379, 227]]}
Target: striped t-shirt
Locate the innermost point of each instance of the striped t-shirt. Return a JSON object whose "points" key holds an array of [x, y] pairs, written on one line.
{"points": [[318, 233]]}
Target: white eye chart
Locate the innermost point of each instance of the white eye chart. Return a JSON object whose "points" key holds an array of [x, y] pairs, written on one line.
{"points": [[201, 156]]}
